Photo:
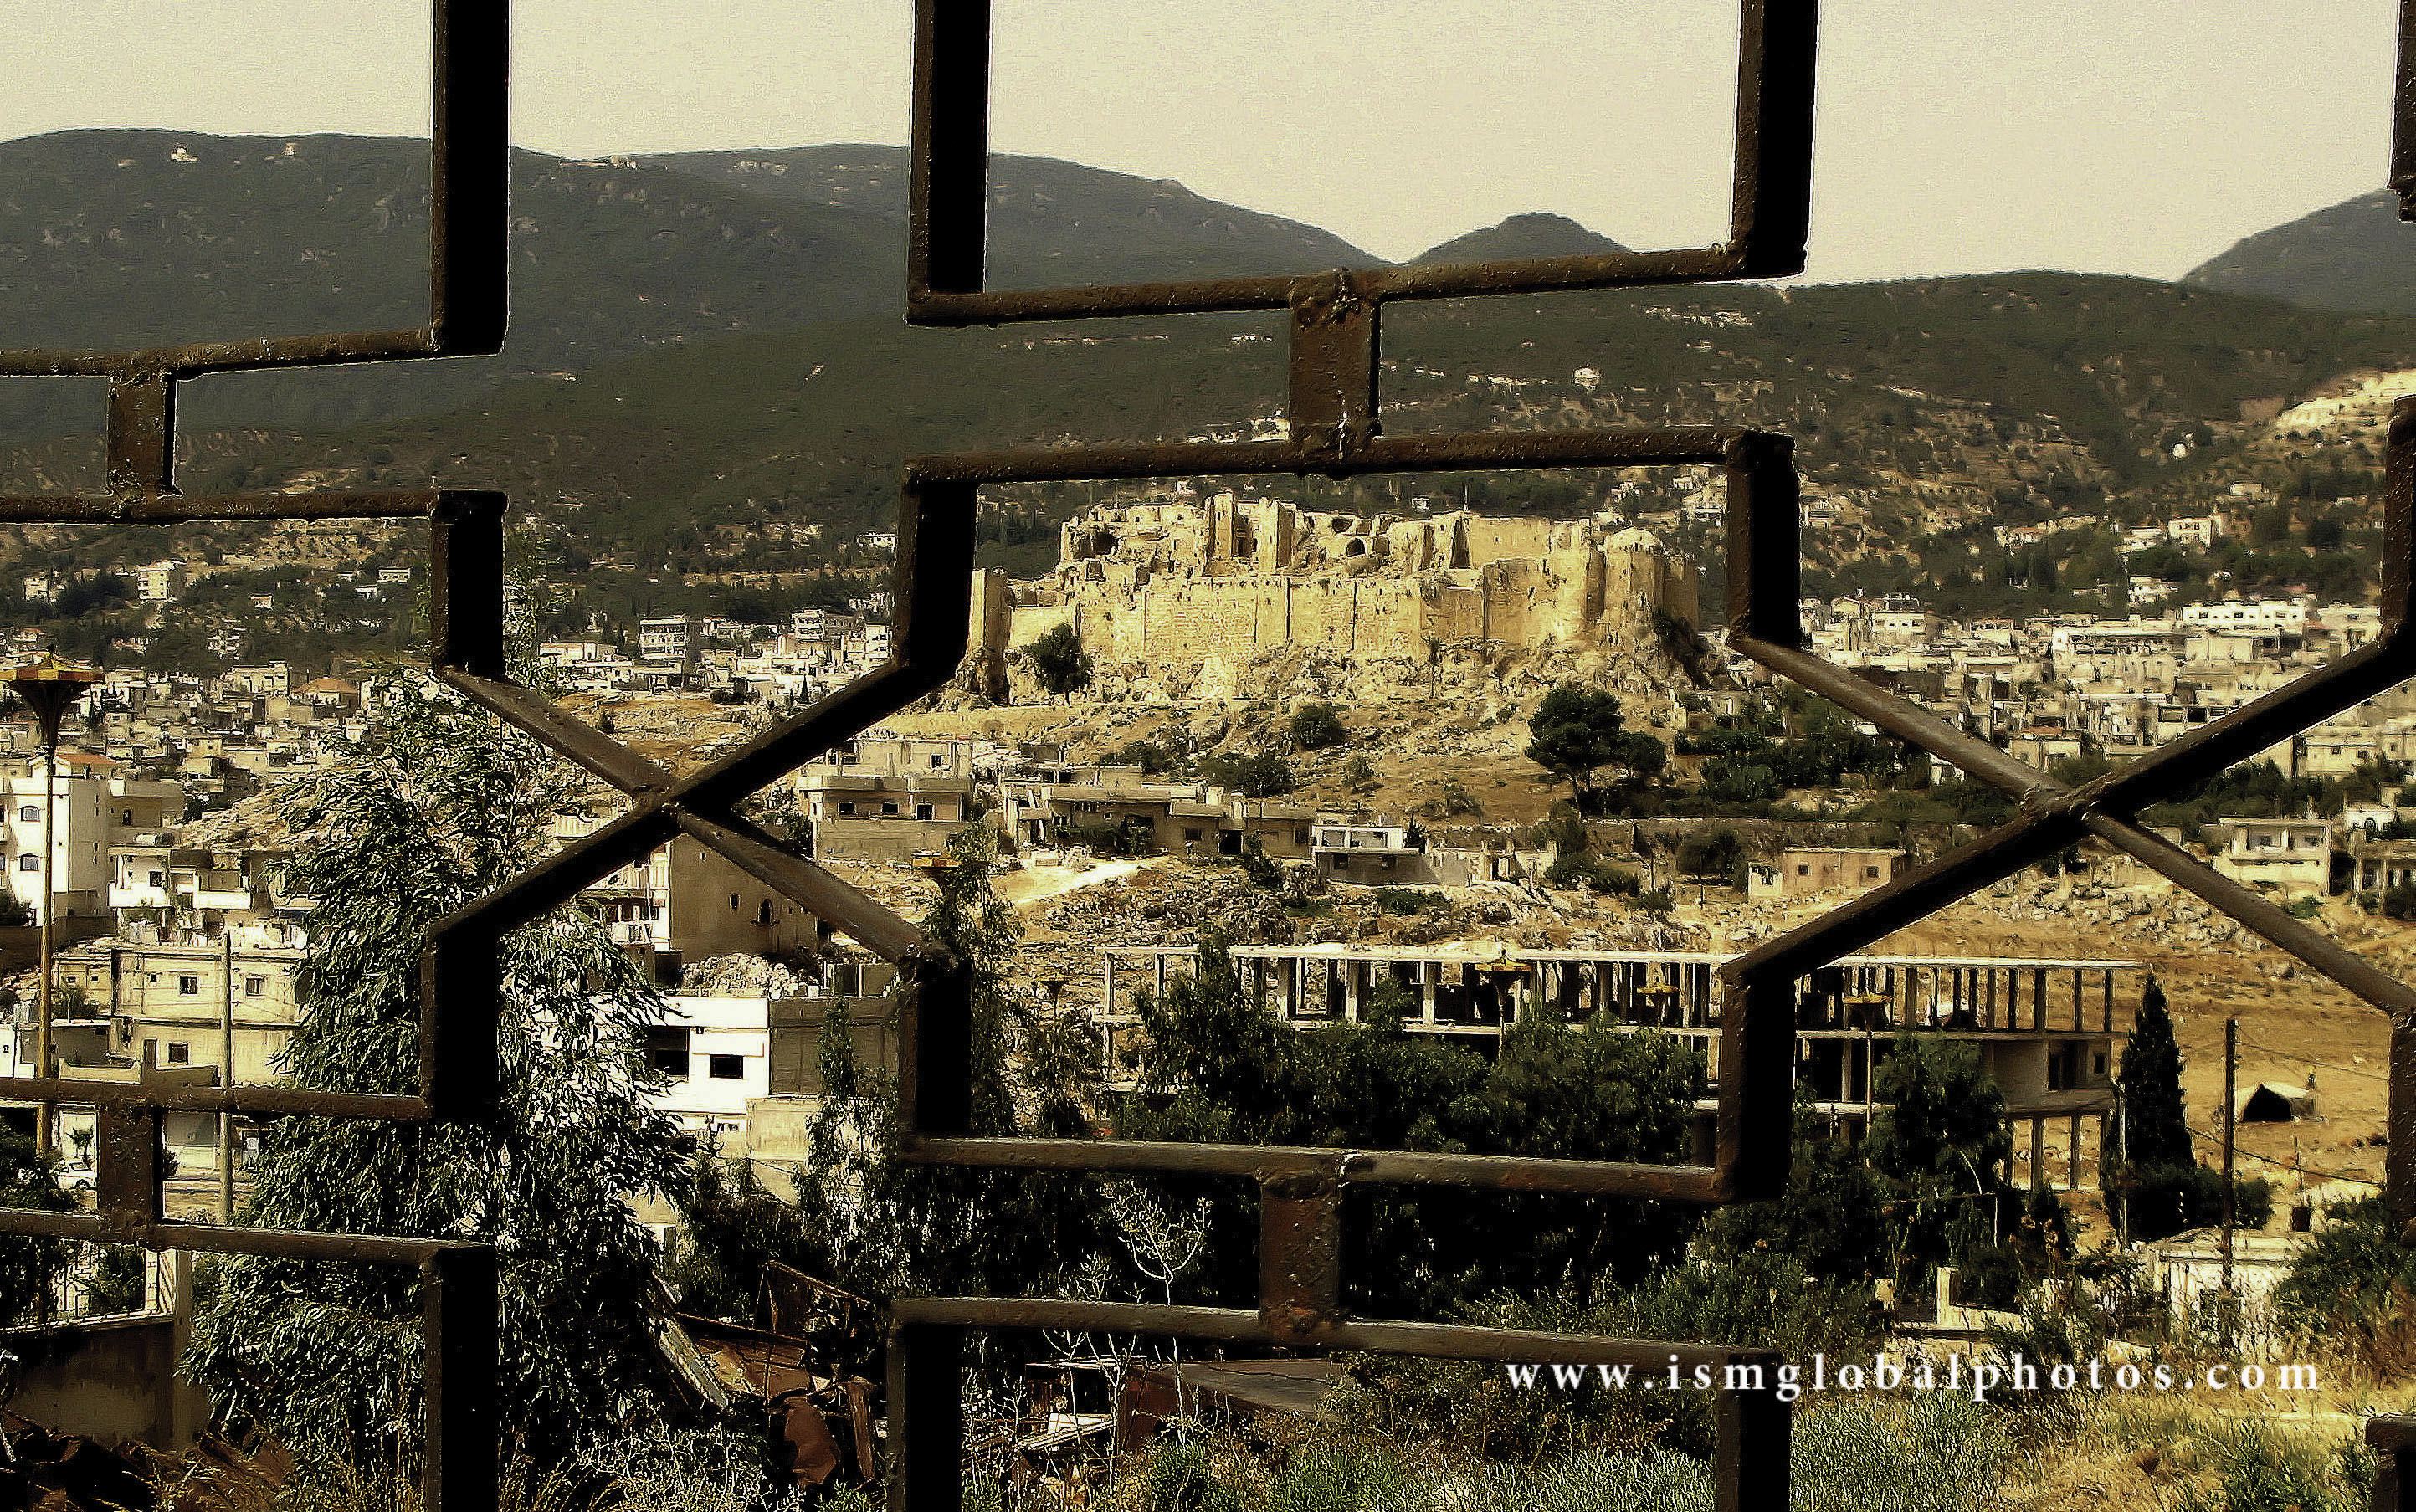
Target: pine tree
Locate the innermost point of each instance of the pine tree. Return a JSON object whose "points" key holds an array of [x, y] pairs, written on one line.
{"points": [[433, 810]]}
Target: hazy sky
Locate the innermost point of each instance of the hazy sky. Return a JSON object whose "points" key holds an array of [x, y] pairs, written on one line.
{"points": [[2137, 137]]}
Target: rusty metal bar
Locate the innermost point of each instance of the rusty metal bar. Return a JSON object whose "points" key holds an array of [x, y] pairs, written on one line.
{"points": [[181, 509], [2403, 126], [949, 193], [2392, 1439], [1334, 341], [2248, 730], [189, 359], [470, 182], [1765, 528], [260, 1101], [1666, 446], [465, 585], [1771, 213], [459, 1307], [140, 439], [934, 995], [1916, 895], [217, 1239], [1754, 1121], [1381, 1168], [1299, 1254], [1238, 1326], [926, 1413], [2344, 967], [132, 1165], [1753, 1451], [1967, 752], [551, 725], [459, 1070]]}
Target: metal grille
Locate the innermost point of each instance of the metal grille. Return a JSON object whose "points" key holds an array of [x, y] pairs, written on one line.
{"points": [[1333, 407], [468, 189], [2394, 1438]]}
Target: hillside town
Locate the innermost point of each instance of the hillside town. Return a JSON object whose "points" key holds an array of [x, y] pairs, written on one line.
{"points": [[179, 941], [796, 829]]}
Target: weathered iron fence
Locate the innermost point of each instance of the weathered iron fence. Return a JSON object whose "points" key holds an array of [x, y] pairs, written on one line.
{"points": [[468, 195], [1334, 374], [1333, 380]]}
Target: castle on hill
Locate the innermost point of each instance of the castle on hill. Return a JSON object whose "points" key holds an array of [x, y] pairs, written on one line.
{"points": [[1178, 582]]}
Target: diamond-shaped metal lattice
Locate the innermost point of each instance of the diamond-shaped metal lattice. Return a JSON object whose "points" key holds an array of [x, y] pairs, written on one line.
{"points": [[470, 157]]}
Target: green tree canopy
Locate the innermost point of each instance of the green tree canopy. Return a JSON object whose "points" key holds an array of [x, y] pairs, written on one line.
{"points": [[2155, 1124], [1059, 661], [1943, 1144], [436, 808], [1259, 774], [1315, 726], [1577, 731], [1216, 1066], [27, 1264]]}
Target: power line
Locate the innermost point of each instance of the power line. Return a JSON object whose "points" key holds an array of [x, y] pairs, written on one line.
{"points": [[2285, 1165], [2308, 1060]]}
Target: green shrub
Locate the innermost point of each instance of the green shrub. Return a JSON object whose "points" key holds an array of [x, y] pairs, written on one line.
{"points": [[1583, 868], [1315, 726], [117, 1278], [2400, 901], [2353, 1288], [1253, 775], [1260, 867], [2260, 1469]]}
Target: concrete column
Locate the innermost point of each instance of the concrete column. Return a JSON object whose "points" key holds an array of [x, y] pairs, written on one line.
{"points": [[2038, 1154]]}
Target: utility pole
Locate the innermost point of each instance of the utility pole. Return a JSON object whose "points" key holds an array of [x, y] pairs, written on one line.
{"points": [[48, 687], [226, 1070], [2122, 1136], [2231, 1075]]}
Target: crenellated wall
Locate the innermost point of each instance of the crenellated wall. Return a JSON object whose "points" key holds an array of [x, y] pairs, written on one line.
{"points": [[1182, 583]]}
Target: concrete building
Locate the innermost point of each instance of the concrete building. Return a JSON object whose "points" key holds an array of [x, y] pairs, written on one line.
{"points": [[2044, 1028], [1802, 871], [162, 582], [2289, 854], [185, 1010], [668, 638], [687, 902], [96, 809]]}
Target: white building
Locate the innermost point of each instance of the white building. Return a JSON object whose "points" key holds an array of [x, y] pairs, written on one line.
{"points": [[669, 638], [2238, 616], [160, 581]]}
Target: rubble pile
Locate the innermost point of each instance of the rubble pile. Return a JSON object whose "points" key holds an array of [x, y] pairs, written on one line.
{"points": [[49, 1471], [742, 976], [1170, 906]]}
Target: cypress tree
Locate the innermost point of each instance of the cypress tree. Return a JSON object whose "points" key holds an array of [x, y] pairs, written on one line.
{"points": [[2156, 1131]]}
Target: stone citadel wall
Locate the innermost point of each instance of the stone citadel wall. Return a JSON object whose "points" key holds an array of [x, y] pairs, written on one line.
{"points": [[1178, 585]]}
